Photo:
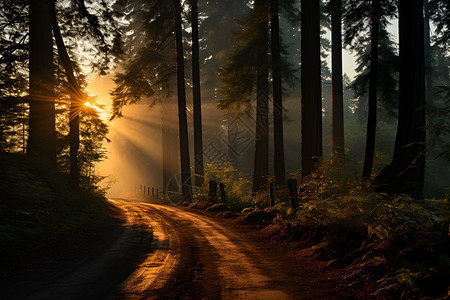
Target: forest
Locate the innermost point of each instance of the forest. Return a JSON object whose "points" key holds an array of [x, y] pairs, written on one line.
{"points": [[249, 110]]}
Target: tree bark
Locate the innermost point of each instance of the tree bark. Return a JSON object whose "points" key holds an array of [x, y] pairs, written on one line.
{"points": [[42, 132], [186, 188], [198, 136], [311, 109], [373, 85], [406, 172], [278, 143], [169, 147], [427, 51], [76, 97], [261, 162], [336, 79]]}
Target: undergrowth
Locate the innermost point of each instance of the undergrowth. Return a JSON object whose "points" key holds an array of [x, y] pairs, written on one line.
{"points": [[236, 186], [395, 241], [38, 205]]}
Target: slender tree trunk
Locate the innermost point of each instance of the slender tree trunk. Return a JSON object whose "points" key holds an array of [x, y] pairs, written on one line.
{"points": [[336, 79], [198, 136], [186, 188], [373, 85], [427, 51], [233, 150], [261, 162], [75, 96], [169, 147], [311, 136], [278, 138], [42, 132], [406, 172]]}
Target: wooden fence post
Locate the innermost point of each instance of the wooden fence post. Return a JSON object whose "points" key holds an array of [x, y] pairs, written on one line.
{"points": [[293, 193], [222, 193], [272, 195], [212, 190]]}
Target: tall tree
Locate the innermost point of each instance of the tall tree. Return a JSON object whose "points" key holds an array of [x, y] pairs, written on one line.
{"points": [[311, 107], [387, 79], [246, 72], [336, 78], [76, 97], [198, 136], [406, 171], [427, 51], [186, 189], [149, 73], [261, 160], [42, 132], [372, 115], [169, 140], [278, 139]]}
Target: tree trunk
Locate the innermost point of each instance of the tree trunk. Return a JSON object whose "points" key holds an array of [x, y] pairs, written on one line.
{"points": [[311, 136], [278, 139], [427, 51], [336, 79], [233, 150], [42, 132], [198, 136], [186, 188], [169, 147], [75, 96], [373, 85], [261, 162], [406, 172]]}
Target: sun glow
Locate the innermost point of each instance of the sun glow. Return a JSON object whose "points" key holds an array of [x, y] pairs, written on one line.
{"points": [[100, 109]]}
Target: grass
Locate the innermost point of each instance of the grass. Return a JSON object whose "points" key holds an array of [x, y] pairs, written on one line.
{"points": [[38, 206]]}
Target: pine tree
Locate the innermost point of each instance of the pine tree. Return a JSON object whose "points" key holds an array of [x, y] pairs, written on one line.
{"points": [[278, 139], [186, 189], [311, 110], [42, 134], [369, 152], [336, 73], [198, 135], [406, 171]]}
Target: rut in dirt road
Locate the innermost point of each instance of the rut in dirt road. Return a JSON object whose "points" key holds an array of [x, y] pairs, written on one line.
{"points": [[198, 256], [168, 252]]}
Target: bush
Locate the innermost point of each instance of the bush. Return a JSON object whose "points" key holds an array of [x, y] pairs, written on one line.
{"points": [[237, 187]]}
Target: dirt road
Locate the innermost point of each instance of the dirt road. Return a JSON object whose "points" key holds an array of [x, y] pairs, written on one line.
{"points": [[167, 252]]}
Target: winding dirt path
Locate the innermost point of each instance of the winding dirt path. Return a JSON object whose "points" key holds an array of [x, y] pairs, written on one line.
{"points": [[167, 252]]}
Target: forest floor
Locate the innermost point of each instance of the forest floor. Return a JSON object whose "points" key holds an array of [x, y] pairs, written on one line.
{"points": [[61, 243], [169, 252]]}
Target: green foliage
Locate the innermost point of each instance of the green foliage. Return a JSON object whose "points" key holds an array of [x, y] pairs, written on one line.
{"points": [[440, 15], [149, 60], [395, 240], [439, 125], [93, 135], [237, 187], [238, 74]]}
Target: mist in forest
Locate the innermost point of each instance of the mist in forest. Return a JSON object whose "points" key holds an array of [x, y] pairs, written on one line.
{"points": [[135, 153]]}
